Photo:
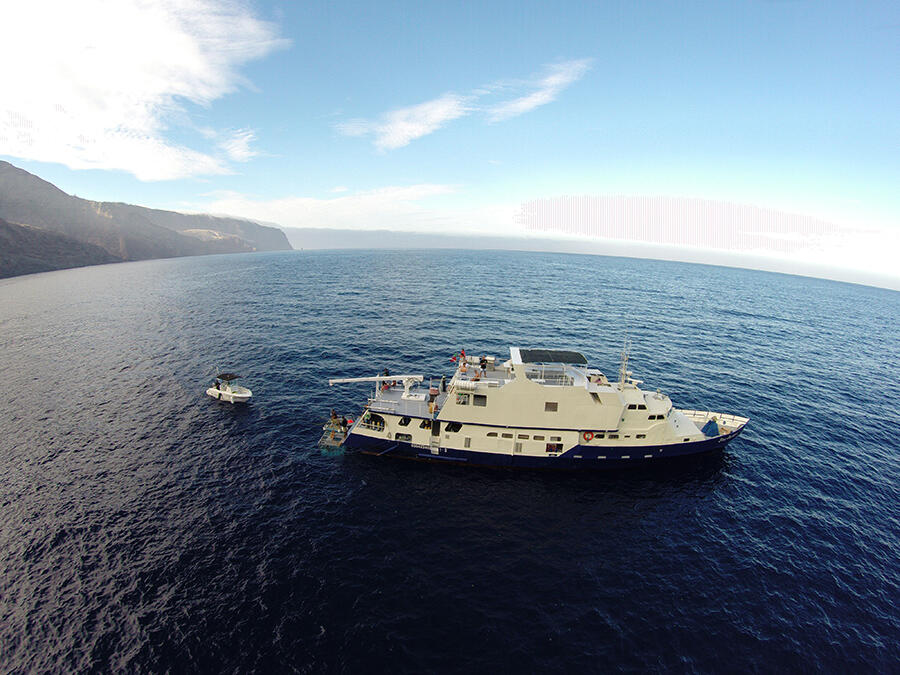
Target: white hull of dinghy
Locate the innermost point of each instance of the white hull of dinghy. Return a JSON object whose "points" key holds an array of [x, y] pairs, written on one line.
{"points": [[232, 394]]}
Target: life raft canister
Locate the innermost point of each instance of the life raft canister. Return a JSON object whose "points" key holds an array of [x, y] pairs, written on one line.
{"points": [[587, 436]]}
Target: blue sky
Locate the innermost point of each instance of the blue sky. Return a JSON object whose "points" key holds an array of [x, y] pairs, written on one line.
{"points": [[450, 117]]}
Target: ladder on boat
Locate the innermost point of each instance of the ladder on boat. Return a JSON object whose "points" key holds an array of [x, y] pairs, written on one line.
{"points": [[333, 435]]}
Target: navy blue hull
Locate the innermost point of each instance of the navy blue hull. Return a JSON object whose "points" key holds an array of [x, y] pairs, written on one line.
{"points": [[578, 457]]}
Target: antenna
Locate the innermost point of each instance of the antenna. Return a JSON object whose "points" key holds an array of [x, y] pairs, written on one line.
{"points": [[623, 369]]}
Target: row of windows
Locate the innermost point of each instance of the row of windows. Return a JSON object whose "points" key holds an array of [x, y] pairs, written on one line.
{"points": [[655, 417], [478, 400], [551, 447], [537, 437], [453, 427]]}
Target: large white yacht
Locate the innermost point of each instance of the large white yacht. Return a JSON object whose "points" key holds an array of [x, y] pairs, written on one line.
{"points": [[539, 408]]}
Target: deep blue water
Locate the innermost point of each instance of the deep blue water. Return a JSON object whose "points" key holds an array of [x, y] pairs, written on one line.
{"points": [[147, 527]]}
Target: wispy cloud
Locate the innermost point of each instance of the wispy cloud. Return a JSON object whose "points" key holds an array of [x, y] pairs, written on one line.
{"points": [[398, 128], [102, 85], [236, 145], [548, 88]]}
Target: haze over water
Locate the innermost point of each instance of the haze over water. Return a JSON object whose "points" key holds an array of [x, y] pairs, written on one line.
{"points": [[145, 526]]}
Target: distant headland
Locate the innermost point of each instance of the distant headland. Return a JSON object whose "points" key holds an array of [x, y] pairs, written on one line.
{"points": [[42, 228]]}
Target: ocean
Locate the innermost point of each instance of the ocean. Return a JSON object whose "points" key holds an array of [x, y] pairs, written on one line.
{"points": [[145, 527]]}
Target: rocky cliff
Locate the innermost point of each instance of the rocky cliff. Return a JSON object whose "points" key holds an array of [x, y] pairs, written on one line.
{"points": [[124, 231]]}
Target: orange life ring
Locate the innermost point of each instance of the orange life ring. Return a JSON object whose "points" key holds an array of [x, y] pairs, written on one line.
{"points": [[587, 436]]}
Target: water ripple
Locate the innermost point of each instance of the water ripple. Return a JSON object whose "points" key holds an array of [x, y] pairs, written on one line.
{"points": [[145, 527]]}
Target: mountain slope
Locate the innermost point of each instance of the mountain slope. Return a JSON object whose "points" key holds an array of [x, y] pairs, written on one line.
{"points": [[125, 231], [25, 250]]}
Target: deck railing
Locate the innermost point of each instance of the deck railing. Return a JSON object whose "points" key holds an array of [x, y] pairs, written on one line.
{"points": [[552, 380], [724, 418], [400, 407]]}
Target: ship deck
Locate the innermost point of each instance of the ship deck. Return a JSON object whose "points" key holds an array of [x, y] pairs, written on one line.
{"points": [[393, 400]]}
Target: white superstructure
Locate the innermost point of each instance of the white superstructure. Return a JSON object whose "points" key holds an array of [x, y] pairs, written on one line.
{"points": [[538, 408]]}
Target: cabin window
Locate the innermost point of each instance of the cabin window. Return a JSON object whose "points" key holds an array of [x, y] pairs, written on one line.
{"points": [[538, 438], [632, 406], [556, 438], [462, 399], [467, 443], [651, 417], [479, 400], [599, 435], [404, 437], [554, 447], [507, 435], [596, 397], [425, 424], [453, 427], [614, 435], [641, 406], [641, 436], [551, 406], [492, 434], [686, 440], [404, 421], [523, 436]]}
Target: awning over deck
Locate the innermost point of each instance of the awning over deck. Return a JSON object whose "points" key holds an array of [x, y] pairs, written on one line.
{"points": [[546, 356]]}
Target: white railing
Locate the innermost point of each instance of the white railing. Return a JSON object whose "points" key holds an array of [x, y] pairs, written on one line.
{"points": [[724, 418], [398, 407]]}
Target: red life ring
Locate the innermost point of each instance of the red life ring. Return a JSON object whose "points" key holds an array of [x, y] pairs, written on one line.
{"points": [[587, 436]]}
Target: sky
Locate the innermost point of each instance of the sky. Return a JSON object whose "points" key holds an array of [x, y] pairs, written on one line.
{"points": [[768, 129]]}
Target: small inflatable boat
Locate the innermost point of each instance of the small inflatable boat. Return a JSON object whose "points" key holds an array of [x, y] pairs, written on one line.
{"points": [[224, 390]]}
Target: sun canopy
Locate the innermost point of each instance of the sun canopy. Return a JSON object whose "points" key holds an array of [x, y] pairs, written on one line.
{"points": [[227, 376], [551, 356]]}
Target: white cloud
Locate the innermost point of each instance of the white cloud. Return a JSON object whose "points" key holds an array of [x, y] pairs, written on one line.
{"points": [[669, 228], [96, 84], [399, 127], [559, 76], [718, 229], [237, 145], [401, 208]]}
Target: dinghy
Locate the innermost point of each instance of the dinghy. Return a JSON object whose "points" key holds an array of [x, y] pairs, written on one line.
{"points": [[224, 390]]}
